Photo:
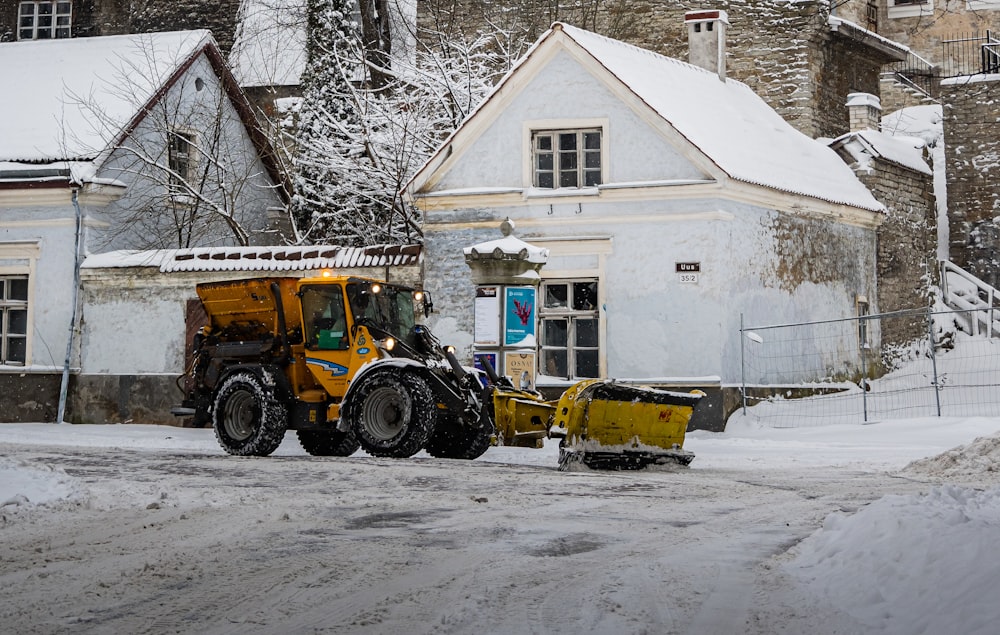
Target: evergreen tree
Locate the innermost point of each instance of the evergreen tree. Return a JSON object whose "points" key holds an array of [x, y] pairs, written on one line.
{"points": [[326, 207]]}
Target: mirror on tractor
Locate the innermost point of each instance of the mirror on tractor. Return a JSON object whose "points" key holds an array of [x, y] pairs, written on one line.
{"points": [[424, 299]]}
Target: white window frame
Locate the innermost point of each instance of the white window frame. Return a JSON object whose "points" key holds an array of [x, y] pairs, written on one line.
{"points": [[18, 259], [179, 193], [9, 306], [555, 126], [983, 5], [901, 9], [571, 315], [61, 14]]}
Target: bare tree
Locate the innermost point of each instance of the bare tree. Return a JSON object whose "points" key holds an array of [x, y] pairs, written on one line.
{"points": [[194, 175]]}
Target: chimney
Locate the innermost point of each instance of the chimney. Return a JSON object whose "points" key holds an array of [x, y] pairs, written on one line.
{"points": [[864, 111], [707, 40]]}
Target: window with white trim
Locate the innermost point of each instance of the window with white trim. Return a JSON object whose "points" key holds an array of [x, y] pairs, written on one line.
{"points": [[44, 20], [181, 156], [569, 323], [909, 8], [13, 320], [566, 158]]}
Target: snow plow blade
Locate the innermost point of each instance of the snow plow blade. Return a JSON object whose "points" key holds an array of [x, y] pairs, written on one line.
{"points": [[611, 426], [603, 425]]}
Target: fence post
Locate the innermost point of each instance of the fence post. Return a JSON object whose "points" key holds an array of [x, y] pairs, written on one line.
{"points": [[743, 368], [930, 344], [864, 374]]}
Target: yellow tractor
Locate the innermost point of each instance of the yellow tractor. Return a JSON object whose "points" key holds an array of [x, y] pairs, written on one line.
{"points": [[344, 362]]}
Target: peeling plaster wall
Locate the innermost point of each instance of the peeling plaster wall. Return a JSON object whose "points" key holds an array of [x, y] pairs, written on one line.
{"points": [[771, 267]]}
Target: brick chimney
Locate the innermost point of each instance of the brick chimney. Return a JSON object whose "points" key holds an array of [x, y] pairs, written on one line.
{"points": [[864, 111], [707, 40]]}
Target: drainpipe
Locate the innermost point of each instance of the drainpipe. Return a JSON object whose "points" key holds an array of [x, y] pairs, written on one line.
{"points": [[64, 386]]}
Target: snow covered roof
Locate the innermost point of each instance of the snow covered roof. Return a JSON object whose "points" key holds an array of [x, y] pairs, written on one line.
{"points": [[270, 46], [725, 120], [728, 122], [56, 85], [901, 150], [259, 258], [890, 48]]}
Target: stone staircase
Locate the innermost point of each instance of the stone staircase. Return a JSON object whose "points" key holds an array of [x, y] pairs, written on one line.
{"points": [[977, 303]]}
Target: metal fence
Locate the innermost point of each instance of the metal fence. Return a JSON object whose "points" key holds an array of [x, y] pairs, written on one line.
{"points": [[970, 54], [804, 374]]}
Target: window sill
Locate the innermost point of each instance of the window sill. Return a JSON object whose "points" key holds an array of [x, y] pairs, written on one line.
{"points": [[561, 192], [911, 10]]}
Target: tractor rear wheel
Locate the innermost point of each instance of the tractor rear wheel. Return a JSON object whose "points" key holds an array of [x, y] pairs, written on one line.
{"points": [[454, 438], [391, 412], [248, 419], [328, 442]]}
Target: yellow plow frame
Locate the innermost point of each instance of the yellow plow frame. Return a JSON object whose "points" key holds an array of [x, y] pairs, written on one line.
{"points": [[602, 424]]}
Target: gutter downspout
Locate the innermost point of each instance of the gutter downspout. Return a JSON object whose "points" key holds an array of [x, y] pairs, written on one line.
{"points": [[64, 386]]}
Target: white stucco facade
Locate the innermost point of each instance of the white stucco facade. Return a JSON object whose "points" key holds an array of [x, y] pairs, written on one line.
{"points": [[762, 252]]}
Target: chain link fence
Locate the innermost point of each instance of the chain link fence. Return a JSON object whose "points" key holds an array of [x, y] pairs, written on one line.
{"points": [[830, 372]]}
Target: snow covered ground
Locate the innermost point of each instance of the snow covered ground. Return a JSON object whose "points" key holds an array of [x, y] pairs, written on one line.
{"points": [[831, 529]]}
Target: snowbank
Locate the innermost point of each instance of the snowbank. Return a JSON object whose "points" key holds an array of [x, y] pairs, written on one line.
{"points": [[910, 564], [23, 485]]}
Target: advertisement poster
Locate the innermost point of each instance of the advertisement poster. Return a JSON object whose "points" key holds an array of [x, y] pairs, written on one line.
{"points": [[519, 317], [520, 367], [491, 357], [487, 314]]}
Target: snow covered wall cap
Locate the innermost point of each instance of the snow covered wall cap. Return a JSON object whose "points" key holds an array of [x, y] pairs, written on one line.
{"points": [[260, 258], [509, 247]]}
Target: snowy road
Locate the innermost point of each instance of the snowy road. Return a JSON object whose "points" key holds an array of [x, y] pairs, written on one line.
{"points": [[196, 541]]}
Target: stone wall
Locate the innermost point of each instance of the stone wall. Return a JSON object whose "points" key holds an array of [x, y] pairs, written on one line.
{"points": [[29, 397], [116, 17], [972, 155], [907, 261]]}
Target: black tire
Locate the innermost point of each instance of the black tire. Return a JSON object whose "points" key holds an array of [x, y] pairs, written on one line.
{"points": [[454, 438], [328, 442], [391, 412], [248, 419]]}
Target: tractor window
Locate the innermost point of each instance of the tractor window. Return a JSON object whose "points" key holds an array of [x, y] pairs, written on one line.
{"points": [[391, 308], [324, 318]]}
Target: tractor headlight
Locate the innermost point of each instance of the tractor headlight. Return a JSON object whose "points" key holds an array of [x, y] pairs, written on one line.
{"points": [[387, 344]]}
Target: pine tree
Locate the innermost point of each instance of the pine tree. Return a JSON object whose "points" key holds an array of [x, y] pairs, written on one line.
{"points": [[326, 207]]}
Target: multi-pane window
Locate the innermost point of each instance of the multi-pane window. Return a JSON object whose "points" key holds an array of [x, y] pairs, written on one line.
{"points": [[570, 326], [44, 20], [566, 158], [180, 156], [863, 312], [13, 320]]}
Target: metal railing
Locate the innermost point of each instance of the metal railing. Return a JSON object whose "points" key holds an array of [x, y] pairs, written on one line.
{"points": [[970, 55], [916, 74], [979, 302]]}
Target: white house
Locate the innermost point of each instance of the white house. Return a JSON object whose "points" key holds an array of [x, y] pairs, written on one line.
{"points": [[132, 141], [672, 201]]}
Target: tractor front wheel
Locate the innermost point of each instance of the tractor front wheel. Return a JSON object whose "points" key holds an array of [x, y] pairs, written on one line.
{"points": [[454, 438], [328, 442], [391, 412], [248, 419]]}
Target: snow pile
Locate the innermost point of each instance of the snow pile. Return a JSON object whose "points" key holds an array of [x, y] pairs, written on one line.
{"points": [[25, 485], [910, 564], [981, 458]]}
